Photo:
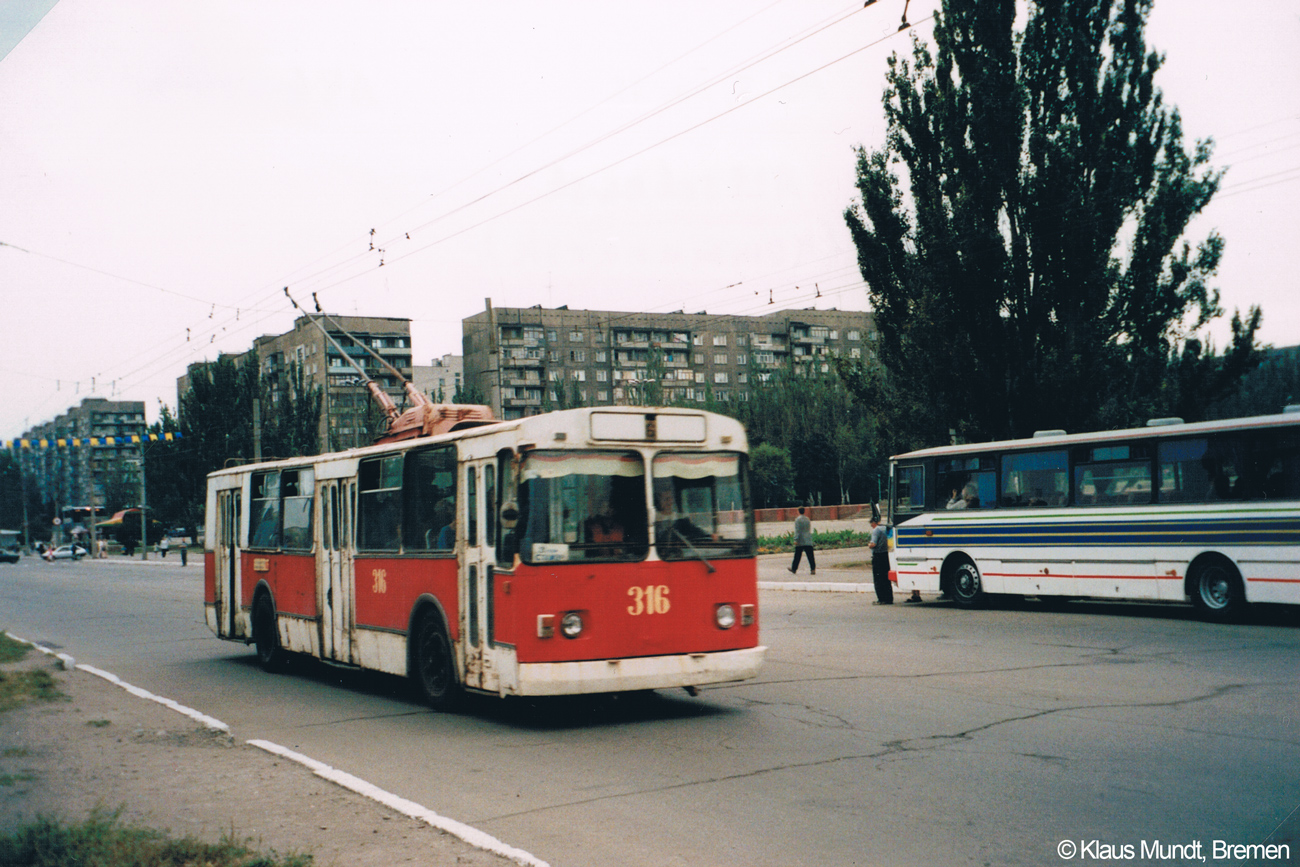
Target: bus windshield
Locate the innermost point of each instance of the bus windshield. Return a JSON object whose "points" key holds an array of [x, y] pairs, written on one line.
{"points": [[582, 505], [700, 506]]}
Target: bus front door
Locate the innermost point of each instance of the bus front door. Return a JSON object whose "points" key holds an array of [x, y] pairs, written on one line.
{"points": [[334, 568], [481, 670], [227, 562]]}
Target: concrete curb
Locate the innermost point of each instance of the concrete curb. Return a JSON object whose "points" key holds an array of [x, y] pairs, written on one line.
{"points": [[817, 586]]}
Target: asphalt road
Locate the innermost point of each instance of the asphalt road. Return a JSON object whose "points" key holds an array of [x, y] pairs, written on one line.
{"points": [[903, 735]]}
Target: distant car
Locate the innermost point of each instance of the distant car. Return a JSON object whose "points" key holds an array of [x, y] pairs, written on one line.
{"points": [[65, 552], [7, 556]]}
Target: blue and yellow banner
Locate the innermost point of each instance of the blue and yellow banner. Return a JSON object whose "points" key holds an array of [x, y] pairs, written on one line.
{"points": [[78, 442]]}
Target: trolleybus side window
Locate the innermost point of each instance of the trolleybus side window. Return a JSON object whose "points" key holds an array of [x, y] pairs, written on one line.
{"points": [[909, 489], [967, 482], [582, 505], [265, 513], [1036, 478], [701, 505], [296, 487], [380, 506], [429, 496], [1112, 475]]}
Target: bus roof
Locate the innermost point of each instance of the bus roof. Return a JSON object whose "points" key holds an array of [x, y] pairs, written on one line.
{"points": [[1156, 428], [592, 427]]}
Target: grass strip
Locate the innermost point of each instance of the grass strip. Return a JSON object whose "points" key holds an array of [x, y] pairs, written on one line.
{"points": [[103, 840]]}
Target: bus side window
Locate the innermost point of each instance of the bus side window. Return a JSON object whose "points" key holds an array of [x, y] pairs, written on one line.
{"points": [[265, 514], [429, 492], [1035, 478], [909, 489], [380, 503], [296, 488]]}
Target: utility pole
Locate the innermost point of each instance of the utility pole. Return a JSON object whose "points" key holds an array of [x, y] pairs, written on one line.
{"points": [[144, 517]]}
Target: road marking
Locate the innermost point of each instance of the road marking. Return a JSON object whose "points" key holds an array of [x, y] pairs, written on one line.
{"points": [[197, 716], [470, 835]]}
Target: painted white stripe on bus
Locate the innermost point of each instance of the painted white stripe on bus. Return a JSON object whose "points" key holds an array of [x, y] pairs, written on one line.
{"points": [[469, 834]]}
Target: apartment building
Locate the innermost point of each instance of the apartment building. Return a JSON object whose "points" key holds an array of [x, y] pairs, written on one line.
{"points": [[442, 380], [527, 360], [330, 364], [85, 457]]}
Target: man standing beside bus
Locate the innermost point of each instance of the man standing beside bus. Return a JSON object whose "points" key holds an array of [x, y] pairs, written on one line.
{"points": [[879, 546]]}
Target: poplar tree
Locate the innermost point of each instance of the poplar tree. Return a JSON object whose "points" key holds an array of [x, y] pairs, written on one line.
{"points": [[1022, 230]]}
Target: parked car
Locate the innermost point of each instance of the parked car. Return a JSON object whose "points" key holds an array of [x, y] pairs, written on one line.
{"points": [[65, 552], [7, 556]]}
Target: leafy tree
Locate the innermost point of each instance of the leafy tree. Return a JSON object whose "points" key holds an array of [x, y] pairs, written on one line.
{"points": [[11, 492], [1021, 230], [291, 425], [772, 475], [829, 432]]}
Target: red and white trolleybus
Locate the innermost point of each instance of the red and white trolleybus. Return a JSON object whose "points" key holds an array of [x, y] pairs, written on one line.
{"points": [[583, 551]]}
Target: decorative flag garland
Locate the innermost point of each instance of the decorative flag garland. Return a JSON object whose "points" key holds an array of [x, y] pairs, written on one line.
{"points": [[77, 442]]}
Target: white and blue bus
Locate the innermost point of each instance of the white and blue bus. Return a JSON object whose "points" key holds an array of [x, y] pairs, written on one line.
{"points": [[1207, 512]]}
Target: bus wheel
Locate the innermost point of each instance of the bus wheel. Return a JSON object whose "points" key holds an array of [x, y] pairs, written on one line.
{"points": [[432, 667], [265, 636], [967, 590], [1216, 591]]}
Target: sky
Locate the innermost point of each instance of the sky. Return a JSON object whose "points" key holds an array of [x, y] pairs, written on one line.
{"points": [[166, 169]]}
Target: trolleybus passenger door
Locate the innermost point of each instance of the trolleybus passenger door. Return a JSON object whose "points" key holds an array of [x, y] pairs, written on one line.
{"points": [[480, 670], [227, 565], [332, 572]]}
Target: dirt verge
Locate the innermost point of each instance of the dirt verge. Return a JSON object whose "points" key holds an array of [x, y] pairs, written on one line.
{"points": [[101, 746]]}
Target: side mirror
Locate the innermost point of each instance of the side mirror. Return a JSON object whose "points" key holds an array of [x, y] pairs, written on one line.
{"points": [[509, 514]]}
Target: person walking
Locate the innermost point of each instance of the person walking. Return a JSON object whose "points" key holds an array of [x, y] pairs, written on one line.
{"points": [[803, 543], [879, 546]]}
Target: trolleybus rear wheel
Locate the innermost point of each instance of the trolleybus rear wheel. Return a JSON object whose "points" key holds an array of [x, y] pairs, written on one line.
{"points": [[265, 635], [1216, 590], [966, 588], [432, 667]]}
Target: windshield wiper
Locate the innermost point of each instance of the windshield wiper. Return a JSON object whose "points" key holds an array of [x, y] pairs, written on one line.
{"points": [[694, 550]]}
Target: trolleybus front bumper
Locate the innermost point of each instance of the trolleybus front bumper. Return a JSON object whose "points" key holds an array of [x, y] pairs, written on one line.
{"points": [[636, 673]]}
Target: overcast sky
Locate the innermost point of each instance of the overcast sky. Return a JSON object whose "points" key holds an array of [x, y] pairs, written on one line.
{"points": [[167, 168]]}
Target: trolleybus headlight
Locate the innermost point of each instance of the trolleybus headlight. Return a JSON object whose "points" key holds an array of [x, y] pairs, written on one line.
{"points": [[725, 615], [571, 625]]}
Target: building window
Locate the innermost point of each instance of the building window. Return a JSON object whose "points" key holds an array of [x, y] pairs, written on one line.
{"points": [[579, 355], [601, 356], [580, 375], [853, 335], [698, 340], [699, 376], [602, 376], [719, 358], [699, 358], [742, 377], [720, 376], [719, 340]]}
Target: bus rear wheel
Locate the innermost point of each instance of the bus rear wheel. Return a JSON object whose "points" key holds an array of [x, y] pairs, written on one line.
{"points": [[965, 586], [432, 666], [266, 636], [1216, 591]]}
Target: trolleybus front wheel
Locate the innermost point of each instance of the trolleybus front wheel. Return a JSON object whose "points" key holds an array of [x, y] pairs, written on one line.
{"points": [[1216, 590], [265, 635], [965, 586], [432, 667]]}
